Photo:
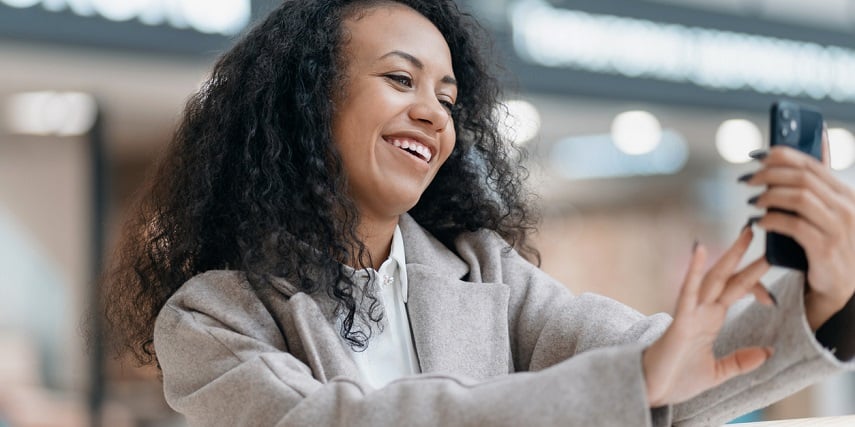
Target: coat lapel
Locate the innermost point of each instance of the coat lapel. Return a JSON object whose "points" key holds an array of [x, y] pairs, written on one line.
{"points": [[458, 327]]}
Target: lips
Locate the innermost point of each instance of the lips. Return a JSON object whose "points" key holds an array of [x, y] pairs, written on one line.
{"points": [[411, 146]]}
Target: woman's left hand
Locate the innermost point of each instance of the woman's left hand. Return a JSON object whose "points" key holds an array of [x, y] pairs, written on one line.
{"points": [[825, 225]]}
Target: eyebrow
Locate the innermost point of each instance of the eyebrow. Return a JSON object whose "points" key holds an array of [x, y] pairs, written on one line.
{"points": [[418, 64]]}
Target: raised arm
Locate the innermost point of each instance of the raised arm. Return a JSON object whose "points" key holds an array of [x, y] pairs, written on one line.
{"points": [[221, 367]]}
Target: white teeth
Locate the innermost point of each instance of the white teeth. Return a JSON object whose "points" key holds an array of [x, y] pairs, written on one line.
{"points": [[413, 146], [426, 153]]}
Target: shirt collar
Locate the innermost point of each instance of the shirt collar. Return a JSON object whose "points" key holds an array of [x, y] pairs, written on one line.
{"points": [[395, 264], [397, 254]]}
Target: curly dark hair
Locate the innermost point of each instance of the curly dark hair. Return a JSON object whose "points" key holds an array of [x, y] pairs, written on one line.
{"points": [[252, 180]]}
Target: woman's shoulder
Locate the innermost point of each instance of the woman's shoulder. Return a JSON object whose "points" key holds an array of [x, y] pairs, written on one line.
{"points": [[215, 311], [213, 285], [220, 299], [214, 293]]}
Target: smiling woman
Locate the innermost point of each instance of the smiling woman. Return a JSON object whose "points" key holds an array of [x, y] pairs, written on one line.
{"points": [[393, 124], [338, 236]]}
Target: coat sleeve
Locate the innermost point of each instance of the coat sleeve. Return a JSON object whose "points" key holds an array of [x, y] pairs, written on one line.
{"points": [[582, 354], [552, 326], [216, 374], [799, 359]]}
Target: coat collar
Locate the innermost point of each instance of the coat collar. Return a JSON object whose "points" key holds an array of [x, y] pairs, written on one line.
{"points": [[421, 248], [458, 327]]}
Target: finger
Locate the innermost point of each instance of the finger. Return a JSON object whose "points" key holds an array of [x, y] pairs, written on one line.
{"points": [[841, 202], [801, 201], [793, 177], [791, 157], [694, 276], [740, 362], [743, 282], [716, 277], [803, 232]]}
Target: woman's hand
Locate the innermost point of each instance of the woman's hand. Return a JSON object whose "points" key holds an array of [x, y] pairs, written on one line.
{"points": [[825, 225], [681, 364]]}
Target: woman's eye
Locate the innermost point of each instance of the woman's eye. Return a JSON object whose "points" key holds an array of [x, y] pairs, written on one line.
{"points": [[401, 80], [448, 105]]}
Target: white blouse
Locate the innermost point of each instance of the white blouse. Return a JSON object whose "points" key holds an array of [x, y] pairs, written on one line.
{"points": [[390, 354]]}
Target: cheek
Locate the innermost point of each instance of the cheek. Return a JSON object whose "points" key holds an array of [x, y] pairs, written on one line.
{"points": [[448, 143]]}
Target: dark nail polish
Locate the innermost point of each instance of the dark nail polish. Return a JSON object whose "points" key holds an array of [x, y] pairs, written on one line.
{"points": [[774, 300], [753, 200], [759, 154], [751, 221], [695, 246], [745, 178]]}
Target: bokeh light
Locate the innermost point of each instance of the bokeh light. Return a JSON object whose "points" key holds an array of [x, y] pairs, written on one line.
{"points": [[841, 144], [520, 123], [636, 132], [735, 138]]}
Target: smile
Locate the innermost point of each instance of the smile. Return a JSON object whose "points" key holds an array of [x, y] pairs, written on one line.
{"points": [[412, 147]]}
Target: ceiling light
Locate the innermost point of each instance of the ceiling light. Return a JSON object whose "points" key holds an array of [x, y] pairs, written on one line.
{"points": [[636, 132], [841, 145], [735, 138], [520, 123], [51, 113]]}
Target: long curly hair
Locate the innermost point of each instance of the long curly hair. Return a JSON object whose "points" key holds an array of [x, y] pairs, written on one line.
{"points": [[252, 180]]}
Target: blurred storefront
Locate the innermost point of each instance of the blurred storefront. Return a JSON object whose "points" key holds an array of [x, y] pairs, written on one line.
{"points": [[689, 82]]}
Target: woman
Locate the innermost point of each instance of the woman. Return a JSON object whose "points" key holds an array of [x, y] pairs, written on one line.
{"points": [[333, 240]]}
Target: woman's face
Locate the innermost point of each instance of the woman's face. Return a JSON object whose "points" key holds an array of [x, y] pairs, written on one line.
{"points": [[392, 123]]}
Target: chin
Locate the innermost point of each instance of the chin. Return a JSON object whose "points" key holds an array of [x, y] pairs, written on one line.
{"points": [[404, 205], [404, 199]]}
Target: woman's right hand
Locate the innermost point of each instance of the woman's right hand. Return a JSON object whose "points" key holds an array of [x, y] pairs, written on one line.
{"points": [[681, 364]]}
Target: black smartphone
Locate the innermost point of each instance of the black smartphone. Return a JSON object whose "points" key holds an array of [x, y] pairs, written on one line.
{"points": [[798, 126]]}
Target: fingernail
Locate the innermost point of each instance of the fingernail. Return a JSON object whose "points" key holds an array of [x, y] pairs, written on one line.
{"points": [[751, 221], [753, 200], [695, 246], [758, 154], [774, 300], [745, 178]]}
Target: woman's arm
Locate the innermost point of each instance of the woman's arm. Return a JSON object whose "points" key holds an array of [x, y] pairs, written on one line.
{"points": [[222, 369], [799, 359], [551, 325], [824, 226]]}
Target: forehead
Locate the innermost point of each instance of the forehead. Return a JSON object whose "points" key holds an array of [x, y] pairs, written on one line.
{"points": [[395, 27]]}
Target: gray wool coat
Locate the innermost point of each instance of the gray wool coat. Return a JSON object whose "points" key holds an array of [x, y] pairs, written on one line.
{"points": [[499, 343]]}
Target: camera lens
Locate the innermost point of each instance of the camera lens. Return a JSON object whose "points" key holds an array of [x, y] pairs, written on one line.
{"points": [[785, 130], [786, 114]]}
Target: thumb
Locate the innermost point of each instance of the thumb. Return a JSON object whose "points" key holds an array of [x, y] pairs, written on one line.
{"points": [[740, 362]]}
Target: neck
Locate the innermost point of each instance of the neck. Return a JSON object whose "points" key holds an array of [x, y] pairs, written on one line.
{"points": [[377, 235]]}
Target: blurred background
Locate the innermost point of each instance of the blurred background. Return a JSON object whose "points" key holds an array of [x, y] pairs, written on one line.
{"points": [[637, 115]]}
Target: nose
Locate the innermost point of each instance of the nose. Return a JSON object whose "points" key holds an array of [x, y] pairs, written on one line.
{"points": [[430, 112]]}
